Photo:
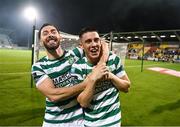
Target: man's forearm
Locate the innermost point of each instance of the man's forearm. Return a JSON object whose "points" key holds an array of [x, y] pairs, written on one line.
{"points": [[56, 94], [65, 93], [123, 84], [86, 96], [105, 52]]}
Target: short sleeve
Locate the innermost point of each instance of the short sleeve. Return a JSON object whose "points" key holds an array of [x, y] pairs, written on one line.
{"points": [[77, 52], [119, 71], [38, 74]]}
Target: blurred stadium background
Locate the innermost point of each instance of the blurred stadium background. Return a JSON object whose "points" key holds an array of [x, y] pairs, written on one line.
{"points": [[153, 100]]}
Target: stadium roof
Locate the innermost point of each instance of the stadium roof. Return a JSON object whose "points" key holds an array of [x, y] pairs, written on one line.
{"points": [[146, 36]]}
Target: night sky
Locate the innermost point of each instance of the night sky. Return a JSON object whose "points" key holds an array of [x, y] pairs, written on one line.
{"points": [[107, 15]]}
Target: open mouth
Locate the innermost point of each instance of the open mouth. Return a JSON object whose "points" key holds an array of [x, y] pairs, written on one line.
{"points": [[94, 51], [51, 39]]}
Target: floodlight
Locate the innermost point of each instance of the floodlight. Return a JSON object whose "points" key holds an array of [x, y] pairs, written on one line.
{"points": [[136, 37], [153, 36], [162, 36], [172, 35], [30, 13]]}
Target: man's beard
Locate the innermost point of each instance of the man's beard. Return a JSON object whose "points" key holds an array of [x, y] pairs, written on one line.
{"points": [[52, 46]]}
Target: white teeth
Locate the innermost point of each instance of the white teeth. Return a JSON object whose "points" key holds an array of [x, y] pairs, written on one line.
{"points": [[93, 50]]}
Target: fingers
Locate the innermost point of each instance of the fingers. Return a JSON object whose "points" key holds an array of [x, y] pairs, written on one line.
{"points": [[103, 71], [104, 41], [99, 71], [102, 68]]}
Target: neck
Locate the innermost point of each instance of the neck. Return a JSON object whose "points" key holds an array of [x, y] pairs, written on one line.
{"points": [[54, 54]]}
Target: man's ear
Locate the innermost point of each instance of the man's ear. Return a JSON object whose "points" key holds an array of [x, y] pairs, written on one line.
{"points": [[60, 38], [80, 45]]}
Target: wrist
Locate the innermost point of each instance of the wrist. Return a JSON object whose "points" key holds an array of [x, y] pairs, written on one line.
{"points": [[91, 78], [111, 76]]}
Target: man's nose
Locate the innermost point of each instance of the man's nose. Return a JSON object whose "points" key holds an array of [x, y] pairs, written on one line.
{"points": [[50, 36], [93, 43]]}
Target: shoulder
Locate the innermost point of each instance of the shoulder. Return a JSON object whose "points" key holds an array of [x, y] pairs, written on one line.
{"points": [[43, 59], [81, 61], [76, 51], [113, 56], [40, 62]]}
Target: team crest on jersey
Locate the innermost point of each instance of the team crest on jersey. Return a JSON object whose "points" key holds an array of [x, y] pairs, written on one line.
{"points": [[71, 60]]}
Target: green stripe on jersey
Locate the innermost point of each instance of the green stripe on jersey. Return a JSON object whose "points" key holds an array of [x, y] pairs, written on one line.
{"points": [[105, 116], [119, 69], [99, 110], [56, 74], [96, 102], [77, 52], [65, 111]]}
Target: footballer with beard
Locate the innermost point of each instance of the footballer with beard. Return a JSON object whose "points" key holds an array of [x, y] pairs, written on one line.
{"points": [[53, 79]]}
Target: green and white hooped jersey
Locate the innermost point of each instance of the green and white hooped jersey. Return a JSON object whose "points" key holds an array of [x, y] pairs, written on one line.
{"points": [[104, 109], [59, 71]]}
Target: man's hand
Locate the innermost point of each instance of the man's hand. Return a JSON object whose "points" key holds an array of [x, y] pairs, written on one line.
{"points": [[99, 71], [104, 52]]}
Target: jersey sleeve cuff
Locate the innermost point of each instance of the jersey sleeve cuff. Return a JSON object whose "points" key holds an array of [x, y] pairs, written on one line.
{"points": [[41, 80], [121, 74]]}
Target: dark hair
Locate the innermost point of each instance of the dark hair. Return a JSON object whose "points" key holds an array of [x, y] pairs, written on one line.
{"points": [[87, 29], [44, 25]]}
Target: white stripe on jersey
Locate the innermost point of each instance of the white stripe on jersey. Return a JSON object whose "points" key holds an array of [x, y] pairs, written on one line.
{"points": [[121, 74], [106, 103], [80, 51], [63, 116], [112, 57], [99, 96], [61, 108], [57, 68], [41, 80]]}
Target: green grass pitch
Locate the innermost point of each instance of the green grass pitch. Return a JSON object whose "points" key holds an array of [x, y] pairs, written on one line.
{"points": [[153, 100]]}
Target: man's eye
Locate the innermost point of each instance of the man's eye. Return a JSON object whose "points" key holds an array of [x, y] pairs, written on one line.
{"points": [[54, 32], [96, 39], [88, 41], [45, 33]]}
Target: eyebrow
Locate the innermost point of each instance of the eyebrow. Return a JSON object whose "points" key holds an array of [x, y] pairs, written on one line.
{"points": [[89, 40], [45, 31], [53, 30]]}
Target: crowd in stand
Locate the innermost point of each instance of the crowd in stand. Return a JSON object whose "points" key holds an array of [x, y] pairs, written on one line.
{"points": [[155, 53]]}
